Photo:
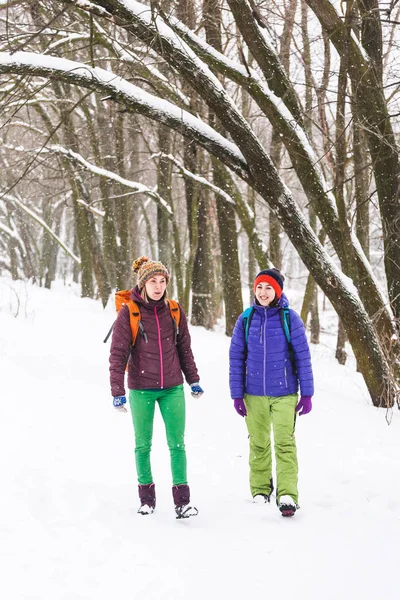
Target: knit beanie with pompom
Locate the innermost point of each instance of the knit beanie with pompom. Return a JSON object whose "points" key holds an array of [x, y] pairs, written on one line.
{"points": [[146, 268]]}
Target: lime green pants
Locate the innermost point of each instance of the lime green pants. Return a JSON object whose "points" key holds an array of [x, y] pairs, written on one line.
{"points": [[172, 407], [278, 412]]}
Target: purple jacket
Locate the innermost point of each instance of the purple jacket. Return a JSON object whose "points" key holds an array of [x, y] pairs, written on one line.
{"points": [[157, 364], [267, 370]]}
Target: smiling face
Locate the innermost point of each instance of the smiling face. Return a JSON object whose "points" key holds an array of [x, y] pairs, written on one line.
{"points": [[155, 287], [265, 293]]}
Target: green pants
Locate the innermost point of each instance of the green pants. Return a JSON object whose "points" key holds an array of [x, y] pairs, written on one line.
{"points": [[172, 407], [262, 412]]}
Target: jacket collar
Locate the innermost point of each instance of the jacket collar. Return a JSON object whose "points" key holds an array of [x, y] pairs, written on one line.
{"points": [[136, 297]]}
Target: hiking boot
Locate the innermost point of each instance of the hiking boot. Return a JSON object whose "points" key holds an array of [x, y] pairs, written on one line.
{"points": [[287, 506], [186, 511], [147, 496], [183, 508], [261, 499]]}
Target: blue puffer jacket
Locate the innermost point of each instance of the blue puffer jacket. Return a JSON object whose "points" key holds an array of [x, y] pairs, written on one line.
{"points": [[268, 371]]}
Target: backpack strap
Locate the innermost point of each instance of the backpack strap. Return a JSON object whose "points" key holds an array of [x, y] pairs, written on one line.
{"points": [[134, 321], [285, 320], [247, 316], [175, 316]]}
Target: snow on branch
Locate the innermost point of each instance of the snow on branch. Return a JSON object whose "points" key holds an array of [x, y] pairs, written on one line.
{"points": [[138, 188], [66, 39], [10, 232], [31, 213], [149, 70], [134, 98], [201, 180], [95, 211]]}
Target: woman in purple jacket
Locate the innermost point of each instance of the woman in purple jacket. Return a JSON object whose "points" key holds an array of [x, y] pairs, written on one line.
{"points": [[155, 365], [265, 372]]}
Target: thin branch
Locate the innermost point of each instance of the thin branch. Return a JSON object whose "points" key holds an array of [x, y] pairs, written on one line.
{"points": [[13, 200]]}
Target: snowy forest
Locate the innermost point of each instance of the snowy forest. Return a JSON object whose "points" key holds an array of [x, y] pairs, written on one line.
{"points": [[221, 137]]}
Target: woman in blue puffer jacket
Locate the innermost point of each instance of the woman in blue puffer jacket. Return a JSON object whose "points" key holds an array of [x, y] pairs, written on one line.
{"points": [[265, 373]]}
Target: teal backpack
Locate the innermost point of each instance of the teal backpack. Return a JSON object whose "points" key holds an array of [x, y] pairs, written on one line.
{"points": [[284, 314]]}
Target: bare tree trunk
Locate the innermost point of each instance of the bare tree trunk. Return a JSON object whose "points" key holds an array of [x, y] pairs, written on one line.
{"points": [[135, 203], [275, 250], [361, 167], [251, 196], [252, 263], [164, 183], [122, 208], [310, 300], [192, 193], [203, 270], [186, 13], [231, 280], [49, 245], [341, 148], [341, 354], [341, 152], [361, 181]]}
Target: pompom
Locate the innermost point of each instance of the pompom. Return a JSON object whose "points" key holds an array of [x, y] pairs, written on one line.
{"points": [[138, 263]]}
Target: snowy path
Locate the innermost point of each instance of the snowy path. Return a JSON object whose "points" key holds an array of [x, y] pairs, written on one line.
{"points": [[68, 523]]}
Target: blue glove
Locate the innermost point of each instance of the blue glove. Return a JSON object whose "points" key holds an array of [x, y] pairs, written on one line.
{"points": [[119, 402], [196, 390]]}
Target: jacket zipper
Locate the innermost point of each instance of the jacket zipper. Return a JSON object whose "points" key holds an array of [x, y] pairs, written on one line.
{"points": [[159, 347], [265, 351]]}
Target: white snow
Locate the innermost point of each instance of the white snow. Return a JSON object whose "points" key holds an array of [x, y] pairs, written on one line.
{"points": [[68, 523]]}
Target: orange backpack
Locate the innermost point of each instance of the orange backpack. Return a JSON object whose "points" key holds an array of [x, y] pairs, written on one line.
{"points": [[123, 298]]}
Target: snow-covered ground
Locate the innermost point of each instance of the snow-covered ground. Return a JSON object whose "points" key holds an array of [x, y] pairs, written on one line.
{"points": [[68, 523]]}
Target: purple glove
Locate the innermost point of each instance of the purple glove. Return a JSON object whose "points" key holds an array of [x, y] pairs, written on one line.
{"points": [[304, 406], [240, 407]]}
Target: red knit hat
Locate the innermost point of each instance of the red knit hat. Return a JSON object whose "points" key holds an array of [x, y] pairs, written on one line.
{"points": [[273, 277]]}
